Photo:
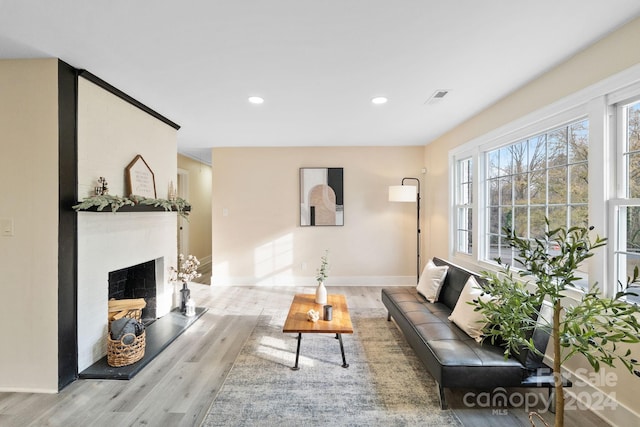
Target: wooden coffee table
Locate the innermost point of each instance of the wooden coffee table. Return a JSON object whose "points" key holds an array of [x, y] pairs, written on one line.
{"points": [[297, 321]]}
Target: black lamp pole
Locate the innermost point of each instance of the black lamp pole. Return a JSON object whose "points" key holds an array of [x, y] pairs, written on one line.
{"points": [[418, 227]]}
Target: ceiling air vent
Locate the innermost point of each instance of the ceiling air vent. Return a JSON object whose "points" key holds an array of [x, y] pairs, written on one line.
{"points": [[437, 96]]}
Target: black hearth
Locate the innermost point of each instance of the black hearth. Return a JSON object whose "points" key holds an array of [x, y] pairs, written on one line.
{"points": [[159, 335], [137, 281]]}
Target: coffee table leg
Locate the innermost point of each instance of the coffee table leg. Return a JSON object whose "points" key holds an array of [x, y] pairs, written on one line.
{"points": [[344, 360], [296, 367]]}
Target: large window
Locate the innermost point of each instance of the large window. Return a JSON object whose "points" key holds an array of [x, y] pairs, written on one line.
{"points": [[627, 205], [464, 210], [545, 175], [576, 162]]}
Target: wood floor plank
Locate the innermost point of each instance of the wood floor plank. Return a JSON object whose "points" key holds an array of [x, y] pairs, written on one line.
{"points": [[211, 339], [78, 405], [235, 334], [19, 409]]}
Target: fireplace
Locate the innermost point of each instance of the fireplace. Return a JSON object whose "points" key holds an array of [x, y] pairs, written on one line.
{"points": [[109, 243], [136, 281]]}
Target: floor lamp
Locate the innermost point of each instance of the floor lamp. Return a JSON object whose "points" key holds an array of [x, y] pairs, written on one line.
{"points": [[408, 193]]}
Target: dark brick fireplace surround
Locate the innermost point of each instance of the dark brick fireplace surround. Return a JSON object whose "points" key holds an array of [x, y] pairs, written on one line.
{"points": [[137, 281]]}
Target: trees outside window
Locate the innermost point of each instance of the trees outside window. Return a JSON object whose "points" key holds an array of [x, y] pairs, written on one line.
{"points": [[544, 176]]}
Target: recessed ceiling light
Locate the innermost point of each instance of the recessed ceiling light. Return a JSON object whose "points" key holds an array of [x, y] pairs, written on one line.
{"points": [[256, 100], [379, 100]]}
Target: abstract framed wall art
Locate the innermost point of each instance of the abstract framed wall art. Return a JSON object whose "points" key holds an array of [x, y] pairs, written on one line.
{"points": [[321, 196]]}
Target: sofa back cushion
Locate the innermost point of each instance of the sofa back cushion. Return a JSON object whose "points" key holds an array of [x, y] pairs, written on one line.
{"points": [[540, 337], [454, 282]]}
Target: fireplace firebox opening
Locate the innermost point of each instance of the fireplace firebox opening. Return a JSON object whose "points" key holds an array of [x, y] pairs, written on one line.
{"points": [[137, 281]]}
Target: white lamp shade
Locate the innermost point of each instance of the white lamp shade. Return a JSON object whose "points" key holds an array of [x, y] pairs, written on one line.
{"points": [[402, 193]]}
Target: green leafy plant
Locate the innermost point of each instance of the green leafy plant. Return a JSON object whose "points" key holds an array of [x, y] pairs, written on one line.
{"points": [[179, 205], [593, 327], [102, 201], [323, 271], [116, 202]]}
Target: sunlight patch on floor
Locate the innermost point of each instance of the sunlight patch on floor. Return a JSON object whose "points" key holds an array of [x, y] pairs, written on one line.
{"points": [[276, 350]]}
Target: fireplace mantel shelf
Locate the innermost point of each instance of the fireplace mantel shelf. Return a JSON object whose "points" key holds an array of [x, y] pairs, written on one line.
{"points": [[134, 208], [114, 204]]}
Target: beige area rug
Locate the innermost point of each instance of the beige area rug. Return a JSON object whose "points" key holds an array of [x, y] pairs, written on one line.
{"points": [[385, 384]]}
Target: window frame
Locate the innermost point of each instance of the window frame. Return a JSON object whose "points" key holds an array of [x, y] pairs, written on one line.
{"points": [[462, 206], [622, 199]]}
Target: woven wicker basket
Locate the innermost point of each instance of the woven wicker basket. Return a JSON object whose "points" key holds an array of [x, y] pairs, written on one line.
{"points": [[121, 354]]}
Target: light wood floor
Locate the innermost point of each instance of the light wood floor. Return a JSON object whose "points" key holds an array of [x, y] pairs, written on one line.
{"points": [[177, 388]]}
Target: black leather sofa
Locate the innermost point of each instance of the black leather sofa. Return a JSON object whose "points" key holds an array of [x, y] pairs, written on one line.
{"points": [[454, 359]]}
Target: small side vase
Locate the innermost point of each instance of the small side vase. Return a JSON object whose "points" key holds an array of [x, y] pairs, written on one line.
{"points": [[321, 294], [185, 295]]}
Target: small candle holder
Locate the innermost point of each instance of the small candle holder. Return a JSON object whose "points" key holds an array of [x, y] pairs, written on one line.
{"points": [[328, 312]]}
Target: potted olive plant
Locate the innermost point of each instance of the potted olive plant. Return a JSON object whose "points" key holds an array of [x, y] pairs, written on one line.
{"points": [[593, 326]]}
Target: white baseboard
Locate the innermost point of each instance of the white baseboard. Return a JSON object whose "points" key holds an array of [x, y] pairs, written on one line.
{"points": [[27, 390], [311, 281]]}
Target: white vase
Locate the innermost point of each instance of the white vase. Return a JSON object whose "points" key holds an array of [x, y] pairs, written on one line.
{"points": [[176, 295], [321, 294]]}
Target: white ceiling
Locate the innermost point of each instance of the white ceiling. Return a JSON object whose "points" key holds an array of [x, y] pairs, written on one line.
{"points": [[317, 63]]}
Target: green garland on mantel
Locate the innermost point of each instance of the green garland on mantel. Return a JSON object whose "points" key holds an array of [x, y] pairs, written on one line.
{"points": [[116, 202]]}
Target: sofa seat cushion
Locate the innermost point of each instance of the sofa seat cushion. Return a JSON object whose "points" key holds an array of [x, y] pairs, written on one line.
{"points": [[409, 306], [401, 294], [439, 331], [418, 318], [463, 363], [409, 294], [438, 307], [486, 378], [468, 353]]}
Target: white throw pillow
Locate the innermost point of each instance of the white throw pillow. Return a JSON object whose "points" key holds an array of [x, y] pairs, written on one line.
{"points": [[464, 314], [431, 281]]}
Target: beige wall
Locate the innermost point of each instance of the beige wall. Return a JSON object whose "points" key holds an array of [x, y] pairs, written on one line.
{"points": [[611, 55], [29, 196], [200, 199], [260, 240]]}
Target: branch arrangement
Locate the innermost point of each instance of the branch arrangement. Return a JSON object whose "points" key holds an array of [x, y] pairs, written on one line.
{"points": [[116, 202]]}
